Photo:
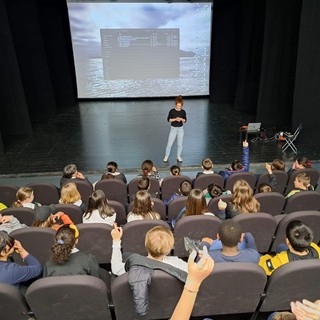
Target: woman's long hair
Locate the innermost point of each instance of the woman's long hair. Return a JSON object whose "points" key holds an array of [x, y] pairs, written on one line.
{"points": [[142, 205], [98, 201], [65, 240], [196, 203], [242, 198]]}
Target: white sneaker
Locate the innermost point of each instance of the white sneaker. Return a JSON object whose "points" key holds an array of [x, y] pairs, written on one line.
{"points": [[179, 159], [165, 159]]}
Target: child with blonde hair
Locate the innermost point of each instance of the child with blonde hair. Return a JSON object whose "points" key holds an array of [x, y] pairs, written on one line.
{"points": [[25, 197], [70, 195]]}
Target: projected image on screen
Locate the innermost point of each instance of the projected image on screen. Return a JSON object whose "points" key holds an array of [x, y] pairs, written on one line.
{"points": [[141, 49]]}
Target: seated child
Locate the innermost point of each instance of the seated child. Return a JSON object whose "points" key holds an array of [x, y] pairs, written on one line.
{"points": [[159, 242], [149, 170], [214, 191], [301, 183], [70, 172], [230, 234], [175, 170], [11, 272], [207, 166], [113, 173], [25, 198], [144, 184], [184, 190], [236, 165], [300, 163], [66, 259], [278, 164], [299, 238], [10, 223]]}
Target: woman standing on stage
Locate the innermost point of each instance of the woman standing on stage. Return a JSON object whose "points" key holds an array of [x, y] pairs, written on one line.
{"points": [[177, 117]]}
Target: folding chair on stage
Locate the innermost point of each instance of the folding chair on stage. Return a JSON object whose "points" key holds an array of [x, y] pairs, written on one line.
{"points": [[290, 138]]}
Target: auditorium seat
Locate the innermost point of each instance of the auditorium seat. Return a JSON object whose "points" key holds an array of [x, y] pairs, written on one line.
{"points": [[281, 176], [313, 174], [134, 233], [304, 200], [171, 185], [247, 176], [261, 225], [213, 203], [196, 228], [44, 193], [158, 207], [8, 194], [85, 189], [202, 181], [114, 190], [74, 212], [13, 305], [271, 202], [69, 297], [24, 215], [95, 238], [133, 187], [175, 206]]}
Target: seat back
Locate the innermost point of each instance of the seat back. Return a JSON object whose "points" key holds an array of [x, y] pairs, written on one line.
{"points": [[158, 206], [232, 288], [154, 187], [292, 282], [37, 241], [134, 234], [213, 203], [171, 185], [247, 176], [95, 238], [69, 297], [24, 215], [202, 181], [13, 304], [311, 218], [261, 225], [85, 189], [114, 190], [281, 176], [74, 212], [175, 206], [271, 202], [304, 200], [8, 194], [313, 174], [120, 209], [45, 193], [194, 227], [161, 306]]}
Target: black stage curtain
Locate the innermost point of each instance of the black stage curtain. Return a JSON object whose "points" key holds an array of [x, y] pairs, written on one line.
{"points": [[265, 61], [306, 103]]}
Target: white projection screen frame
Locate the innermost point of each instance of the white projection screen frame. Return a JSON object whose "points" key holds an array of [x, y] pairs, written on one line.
{"points": [[132, 49]]}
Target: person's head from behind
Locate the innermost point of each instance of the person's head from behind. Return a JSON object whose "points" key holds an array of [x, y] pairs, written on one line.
{"points": [[196, 203], [298, 235], [175, 170], [23, 195], [144, 183], [142, 203], [264, 187], [69, 193], [6, 244], [302, 163], [236, 165], [243, 199], [70, 170], [112, 167], [98, 201], [207, 164], [278, 164], [214, 190], [43, 217], [230, 233], [66, 239], [185, 187], [159, 242], [178, 103], [302, 181], [146, 167], [285, 315]]}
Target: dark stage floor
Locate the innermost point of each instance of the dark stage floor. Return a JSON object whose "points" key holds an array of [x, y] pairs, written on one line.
{"points": [[95, 132]]}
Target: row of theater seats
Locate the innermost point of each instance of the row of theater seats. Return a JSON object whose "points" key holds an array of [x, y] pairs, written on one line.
{"points": [[96, 237], [273, 203], [117, 190], [232, 288]]}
